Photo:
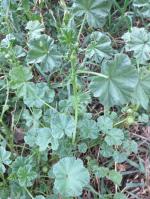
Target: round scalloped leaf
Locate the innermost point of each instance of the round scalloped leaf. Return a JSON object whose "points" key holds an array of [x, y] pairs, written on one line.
{"points": [[70, 176], [138, 41], [141, 95], [99, 47], [120, 83], [43, 50], [114, 137], [88, 128], [19, 75], [62, 124], [35, 95], [95, 11]]}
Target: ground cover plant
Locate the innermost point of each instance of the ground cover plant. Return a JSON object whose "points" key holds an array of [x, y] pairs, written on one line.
{"points": [[74, 99]]}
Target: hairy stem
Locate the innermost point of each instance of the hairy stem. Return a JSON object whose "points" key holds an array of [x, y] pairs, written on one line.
{"points": [[75, 92], [73, 59]]}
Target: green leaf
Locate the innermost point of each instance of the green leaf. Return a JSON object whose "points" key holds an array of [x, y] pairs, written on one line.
{"points": [[141, 95], [106, 150], [19, 75], [44, 137], [35, 95], [143, 118], [83, 100], [99, 47], [17, 191], [95, 11], [138, 41], [6, 42], [120, 157], [4, 159], [143, 7], [119, 196], [88, 128], [82, 148], [41, 137], [23, 171], [67, 36], [115, 176], [20, 162], [100, 172], [32, 120], [130, 146], [114, 137], [19, 51], [26, 175], [104, 123], [4, 192], [120, 84], [70, 176], [35, 28], [62, 124], [140, 3], [26, 5], [31, 94], [31, 136], [43, 50], [65, 149]]}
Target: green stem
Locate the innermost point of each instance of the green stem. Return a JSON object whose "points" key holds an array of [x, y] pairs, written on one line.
{"points": [[28, 193], [94, 191], [75, 92], [92, 73], [7, 133], [81, 28], [138, 67], [116, 186], [73, 59], [120, 122], [6, 101]]}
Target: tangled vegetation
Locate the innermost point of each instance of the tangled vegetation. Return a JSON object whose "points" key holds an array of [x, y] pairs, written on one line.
{"points": [[74, 99]]}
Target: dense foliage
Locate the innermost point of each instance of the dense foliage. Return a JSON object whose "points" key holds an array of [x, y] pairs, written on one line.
{"points": [[74, 81]]}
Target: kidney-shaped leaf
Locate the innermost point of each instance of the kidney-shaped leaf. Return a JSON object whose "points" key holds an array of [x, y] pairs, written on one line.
{"points": [[114, 137], [88, 128], [43, 50], [19, 75], [96, 11], [41, 137], [138, 41], [104, 123], [121, 80], [35, 95], [99, 47], [142, 92], [70, 176], [62, 124]]}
